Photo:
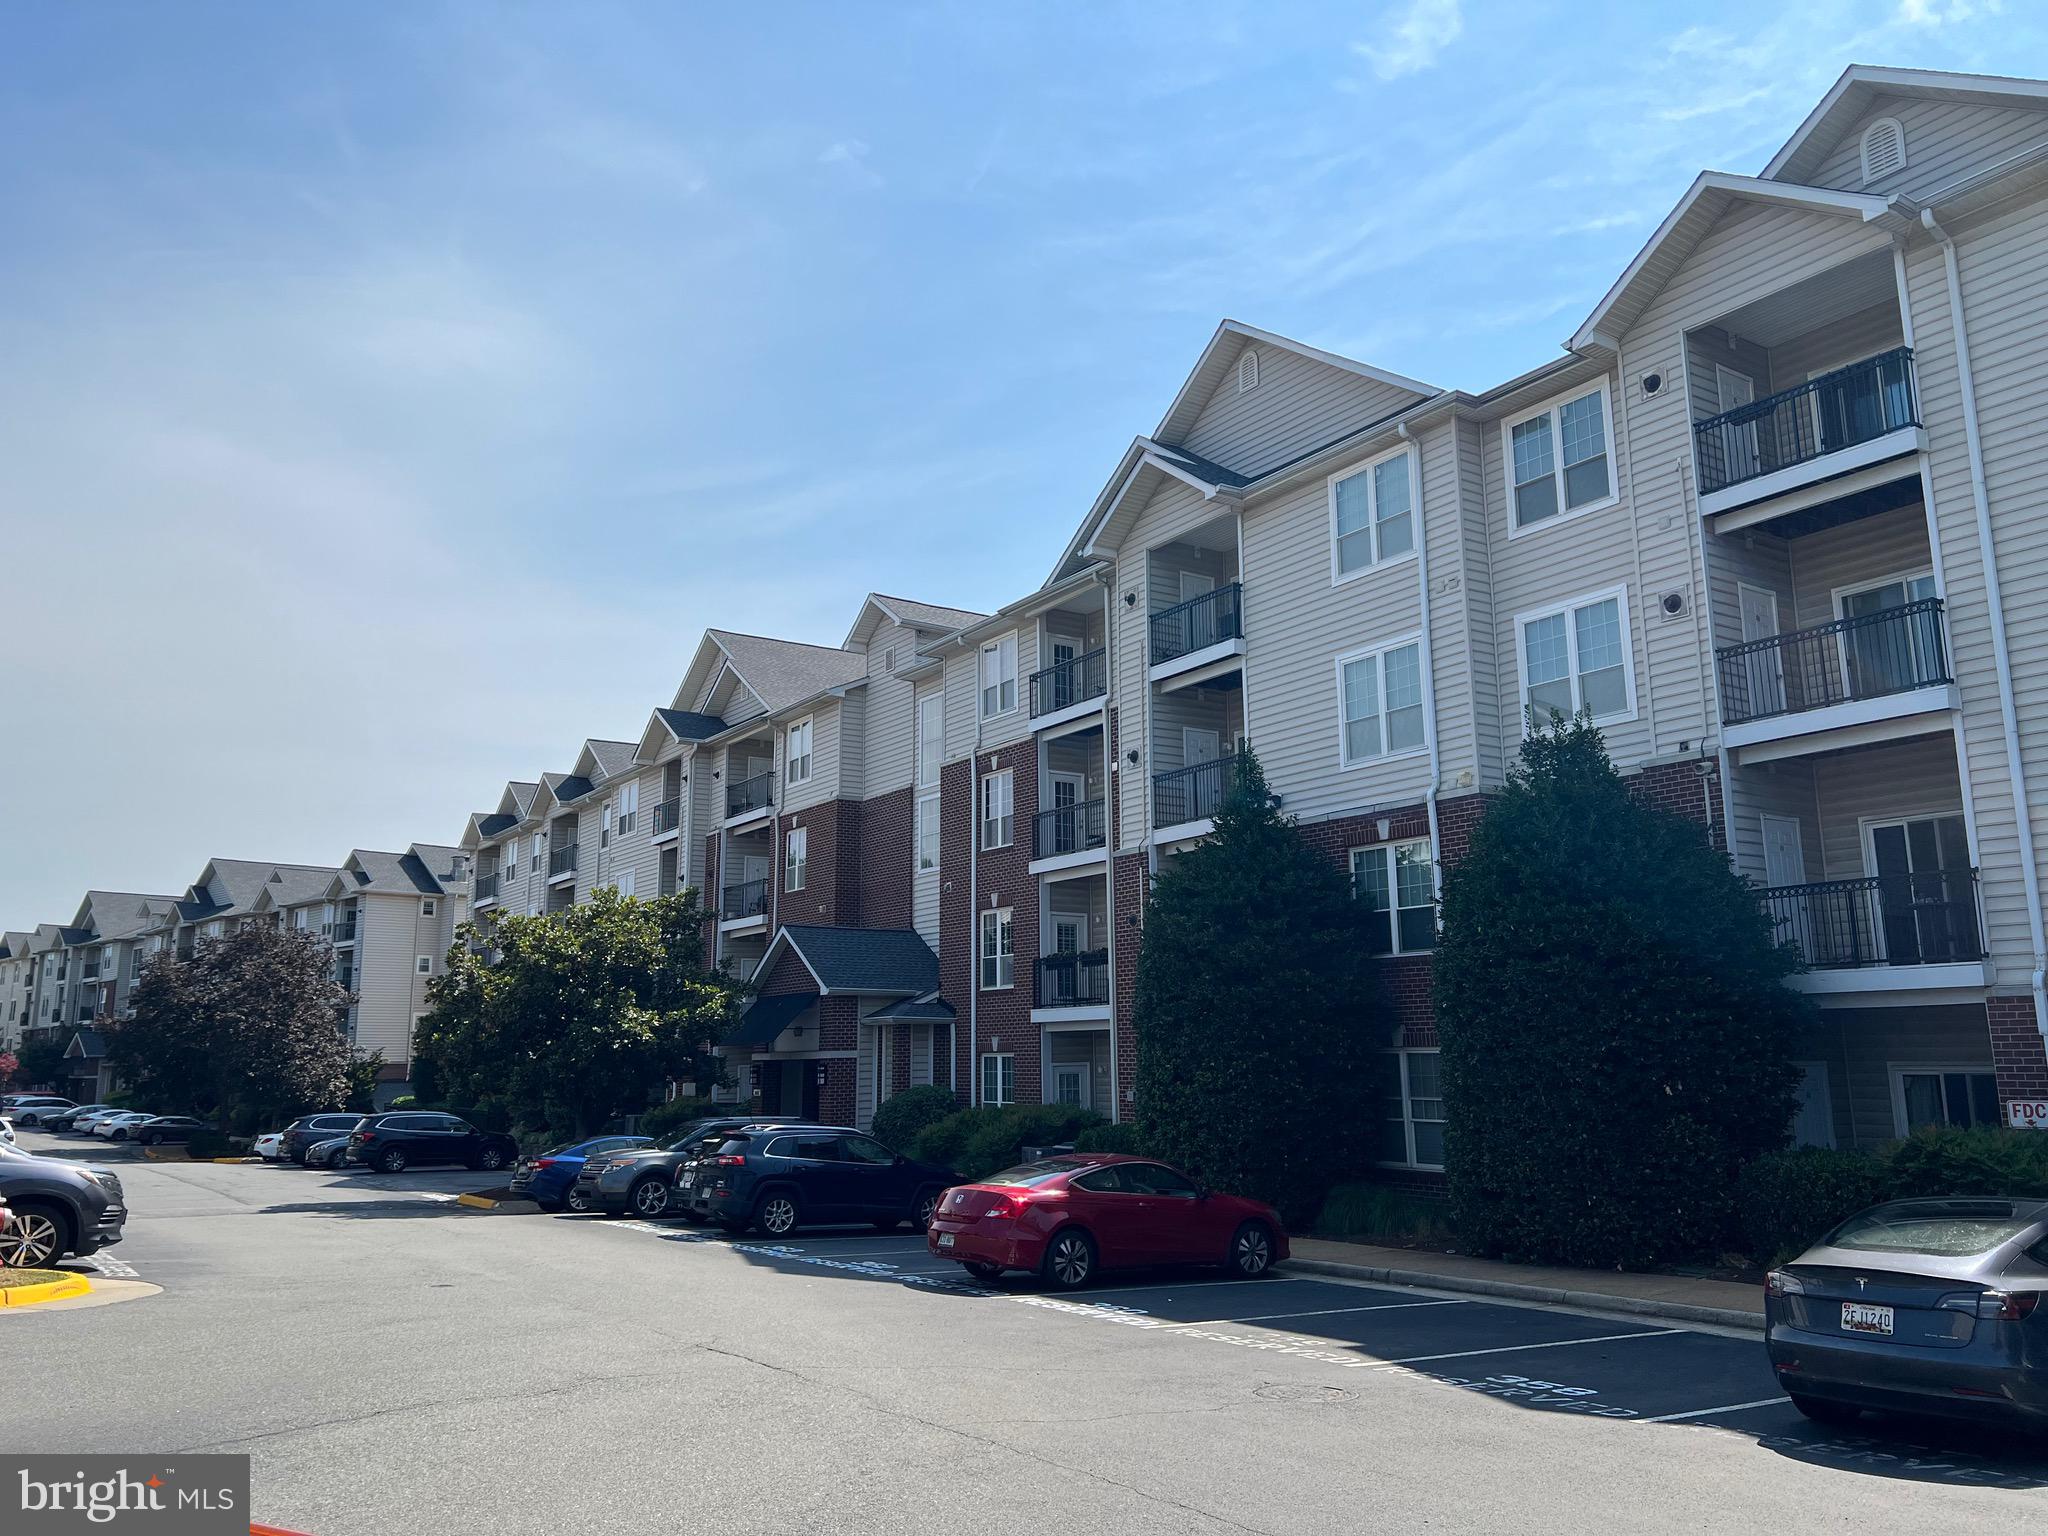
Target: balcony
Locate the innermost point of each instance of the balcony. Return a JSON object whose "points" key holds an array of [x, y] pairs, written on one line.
{"points": [[1070, 829], [668, 816], [562, 861], [1070, 980], [1853, 672], [342, 930], [1068, 684], [1829, 425], [1212, 620], [746, 797], [1922, 919], [1194, 793], [743, 902], [487, 887]]}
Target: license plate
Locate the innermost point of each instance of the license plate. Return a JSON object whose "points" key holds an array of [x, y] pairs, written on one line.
{"points": [[1859, 1317], [945, 1239], [684, 1181]]}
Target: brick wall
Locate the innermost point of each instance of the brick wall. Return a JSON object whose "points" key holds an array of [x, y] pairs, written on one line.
{"points": [[1690, 789], [831, 861], [1006, 881], [838, 1030], [1127, 891], [787, 975], [2016, 1049], [956, 906], [882, 881]]}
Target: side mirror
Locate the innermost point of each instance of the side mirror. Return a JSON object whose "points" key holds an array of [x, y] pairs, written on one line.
{"points": [[901, 1159]]}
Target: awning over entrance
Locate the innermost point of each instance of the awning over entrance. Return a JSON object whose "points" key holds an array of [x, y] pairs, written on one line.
{"points": [[912, 1011], [767, 1017]]}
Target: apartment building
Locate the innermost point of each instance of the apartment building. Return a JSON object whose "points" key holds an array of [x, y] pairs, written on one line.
{"points": [[17, 986]]}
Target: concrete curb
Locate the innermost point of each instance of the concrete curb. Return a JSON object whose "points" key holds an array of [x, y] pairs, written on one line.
{"points": [[1598, 1301], [235, 1160], [511, 1205], [48, 1290]]}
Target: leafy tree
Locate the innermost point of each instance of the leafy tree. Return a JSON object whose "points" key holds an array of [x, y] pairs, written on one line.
{"points": [[250, 1026], [9, 1065], [42, 1062], [585, 1012], [1616, 1029], [1257, 1067]]}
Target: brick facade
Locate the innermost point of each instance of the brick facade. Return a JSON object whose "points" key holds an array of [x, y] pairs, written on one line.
{"points": [[1690, 788], [1129, 887], [887, 846], [2016, 1049]]}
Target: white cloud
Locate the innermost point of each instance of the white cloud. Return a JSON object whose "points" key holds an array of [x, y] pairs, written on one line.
{"points": [[1413, 38], [850, 158], [1933, 13]]}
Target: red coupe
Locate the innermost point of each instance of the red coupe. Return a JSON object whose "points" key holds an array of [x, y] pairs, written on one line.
{"points": [[1067, 1217]]}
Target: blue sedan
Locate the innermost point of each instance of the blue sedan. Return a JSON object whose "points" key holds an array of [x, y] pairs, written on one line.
{"points": [[551, 1177]]}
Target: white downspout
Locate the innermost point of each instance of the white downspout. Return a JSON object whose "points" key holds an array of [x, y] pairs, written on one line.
{"points": [[973, 891], [1436, 863], [2015, 764]]}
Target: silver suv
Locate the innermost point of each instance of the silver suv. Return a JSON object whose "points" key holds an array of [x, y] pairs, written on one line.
{"points": [[642, 1181]]}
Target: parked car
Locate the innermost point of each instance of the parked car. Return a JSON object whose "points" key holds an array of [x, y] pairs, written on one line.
{"points": [[644, 1182], [1066, 1218], [117, 1127], [308, 1131], [1917, 1306], [269, 1146], [6, 1130], [776, 1179], [694, 1181], [88, 1125], [152, 1129], [60, 1208], [67, 1119], [550, 1178], [413, 1138], [332, 1153], [33, 1109]]}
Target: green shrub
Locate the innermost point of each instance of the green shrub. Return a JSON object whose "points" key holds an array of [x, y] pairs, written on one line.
{"points": [[1788, 1199], [665, 1120], [1124, 1136], [404, 1101], [977, 1142], [1375, 1211], [1989, 1160], [206, 1144], [904, 1115]]}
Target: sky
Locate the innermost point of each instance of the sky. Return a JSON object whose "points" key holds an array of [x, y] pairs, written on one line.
{"points": [[392, 394]]}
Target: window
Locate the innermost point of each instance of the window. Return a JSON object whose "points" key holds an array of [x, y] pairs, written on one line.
{"points": [[1248, 372], [1372, 516], [1558, 459], [1576, 657], [999, 676], [629, 806], [1960, 1096], [796, 867], [998, 802], [604, 830], [626, 881], [797, 752], [998, 1079], [533, 852], [1379, 701], [1412, 1135], [931, 739], [424, 965], [863, 1149], [996, 958], [1397, 885], [928, 833], [508, 859], [427, 907]]}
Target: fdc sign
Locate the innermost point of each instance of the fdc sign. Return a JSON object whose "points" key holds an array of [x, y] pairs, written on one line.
{"points": [[2027, 1114]]}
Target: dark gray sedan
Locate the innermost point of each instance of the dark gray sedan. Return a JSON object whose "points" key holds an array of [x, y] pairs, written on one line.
{"points": [[1918, 1306]]}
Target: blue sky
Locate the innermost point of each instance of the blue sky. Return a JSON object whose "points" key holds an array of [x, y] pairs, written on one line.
{"points": [[395, 392]]}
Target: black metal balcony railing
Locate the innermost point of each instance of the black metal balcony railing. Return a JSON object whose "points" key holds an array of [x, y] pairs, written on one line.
{"points": [[1189, 794], [487, 886], [1892, 651], [748, 899], [754, 794], [1826, 414], [1070, 828], [1197, 623], [668, 815], [562, 861], [1067, 683], [1928, 917], [343, 931], [1070, 980]]}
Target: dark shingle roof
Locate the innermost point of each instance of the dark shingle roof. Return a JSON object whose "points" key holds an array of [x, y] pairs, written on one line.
{"points": [[929, 1011], [1201, 468], [570, 787], [400, 873], [767, 1017], [492, 825], [866, 959], [688, 725], [613, 757]]}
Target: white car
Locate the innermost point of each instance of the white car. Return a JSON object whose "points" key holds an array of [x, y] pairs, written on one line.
{"points": [[270, 1148], [84, 1123], [115, 1127], [6, 1130]]}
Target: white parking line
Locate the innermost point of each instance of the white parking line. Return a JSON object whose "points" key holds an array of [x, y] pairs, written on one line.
{"points": [[1271, 1317], [1701, 1413], [1192, 1285], [1515, 1349]]}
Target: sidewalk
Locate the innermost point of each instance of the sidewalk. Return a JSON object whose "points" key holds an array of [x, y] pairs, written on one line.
{"points": [[1679, 1298]]}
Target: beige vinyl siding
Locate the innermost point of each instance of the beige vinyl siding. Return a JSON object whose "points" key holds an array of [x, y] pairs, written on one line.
{"points": [[887, 722], [390, 936], [1472, 598], [1210, 709], [1945, 140], [1751, 558], [1858, 554], [1885, 783], [1774, 789], [1298, 404], [1863, 334], [924, 885], [1861, 1046], [963, 696]]}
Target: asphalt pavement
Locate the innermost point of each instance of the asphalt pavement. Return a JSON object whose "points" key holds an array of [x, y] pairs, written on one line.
{"points": [[394, 1361]]}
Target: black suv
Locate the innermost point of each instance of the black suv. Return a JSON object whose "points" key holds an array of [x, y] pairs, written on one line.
{"points": [[642, 1180], [59, 1208], [412, 1138], [308, 1131], [776, 1180]]}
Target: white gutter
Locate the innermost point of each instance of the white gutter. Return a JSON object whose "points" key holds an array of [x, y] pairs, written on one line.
{"points": [[2015, 764], [973, 901], [1436, 861]]}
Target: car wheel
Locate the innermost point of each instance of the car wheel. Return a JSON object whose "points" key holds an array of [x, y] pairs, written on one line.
{"points": [[149, 1138], [490, 1160], [649, 1198], [575, 1201], [392, 1160], [1824, 1410], [778, 1214], [981, 1271], [118, 1136], [1251, 1251], [921, 1215], [38, 1236], [1069, 1260]]}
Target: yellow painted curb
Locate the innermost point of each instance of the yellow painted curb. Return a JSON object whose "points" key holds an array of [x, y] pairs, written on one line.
{"points": [[476, 1202], [167, 1155], [236, 1160], [49, 1290]]}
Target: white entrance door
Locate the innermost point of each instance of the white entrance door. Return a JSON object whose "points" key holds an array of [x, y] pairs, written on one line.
{"points": [[1785, 864], [1067, 792], [1763, 670], [753, 866], [1070, 1084], [1203, 793], [1739, 443], [1065, 686], [1069, 937], [1194, 584]]}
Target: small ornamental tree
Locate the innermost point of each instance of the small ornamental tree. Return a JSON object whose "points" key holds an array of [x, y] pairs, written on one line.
{"points": [[1258, 1070], [1616, 1030], [42, 1063], [585, 1012], [10, 1064]]}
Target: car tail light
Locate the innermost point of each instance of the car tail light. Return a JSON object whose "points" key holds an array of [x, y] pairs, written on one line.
{"points": [[365, 1136], [1993, 1306], [1005, 1206], [1779, 1283], [542, 1162], [730, 1160]]}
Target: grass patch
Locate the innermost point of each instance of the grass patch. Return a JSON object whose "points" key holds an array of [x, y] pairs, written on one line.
{"points": [[9, 1278], [1377, 1213]]}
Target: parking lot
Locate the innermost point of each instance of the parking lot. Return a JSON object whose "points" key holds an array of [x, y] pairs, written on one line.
{"points": [[625, 1374]]}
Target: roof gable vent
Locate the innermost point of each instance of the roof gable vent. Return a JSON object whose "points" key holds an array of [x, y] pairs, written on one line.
{"points": [[1884, 149], [1248, 371]]}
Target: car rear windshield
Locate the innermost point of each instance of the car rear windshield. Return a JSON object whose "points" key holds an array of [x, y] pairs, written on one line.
{"points": [[1038, 1173], [1938, 1231]]}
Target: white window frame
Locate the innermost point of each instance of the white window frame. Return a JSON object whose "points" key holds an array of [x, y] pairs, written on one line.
{"points": [[1378, 655], [604, 828], [800, 734], [1408, 1120], [1369, 469], [1553, 408], [1004, 824], [1388, 855], [796, 859], [1004, 1065], [427, 906], [1568, 607], [629, 806], [423, 966], [1004, 649], [931, 735], [997, 925], [1897, 1072], [925, 850], [628, 879]]}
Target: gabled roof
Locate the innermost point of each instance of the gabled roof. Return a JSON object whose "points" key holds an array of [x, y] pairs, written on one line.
{"points": [[890, 962], [1858, 90], [933, 618], [601, 759], [121, 914], [784, 672], [517, 800], [14, 944], [242, 880], [913, 1010], [767, 1017], [1214, 365], [86, 1044], [669, 727], [1711, 195], [381, 873], [1146, 464]]}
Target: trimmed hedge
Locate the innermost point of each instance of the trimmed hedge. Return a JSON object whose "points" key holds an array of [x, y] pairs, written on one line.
{"points": [[1122, 1137], [664, 1120], [204, 1144], [977, 1142], [904, 1115]]}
